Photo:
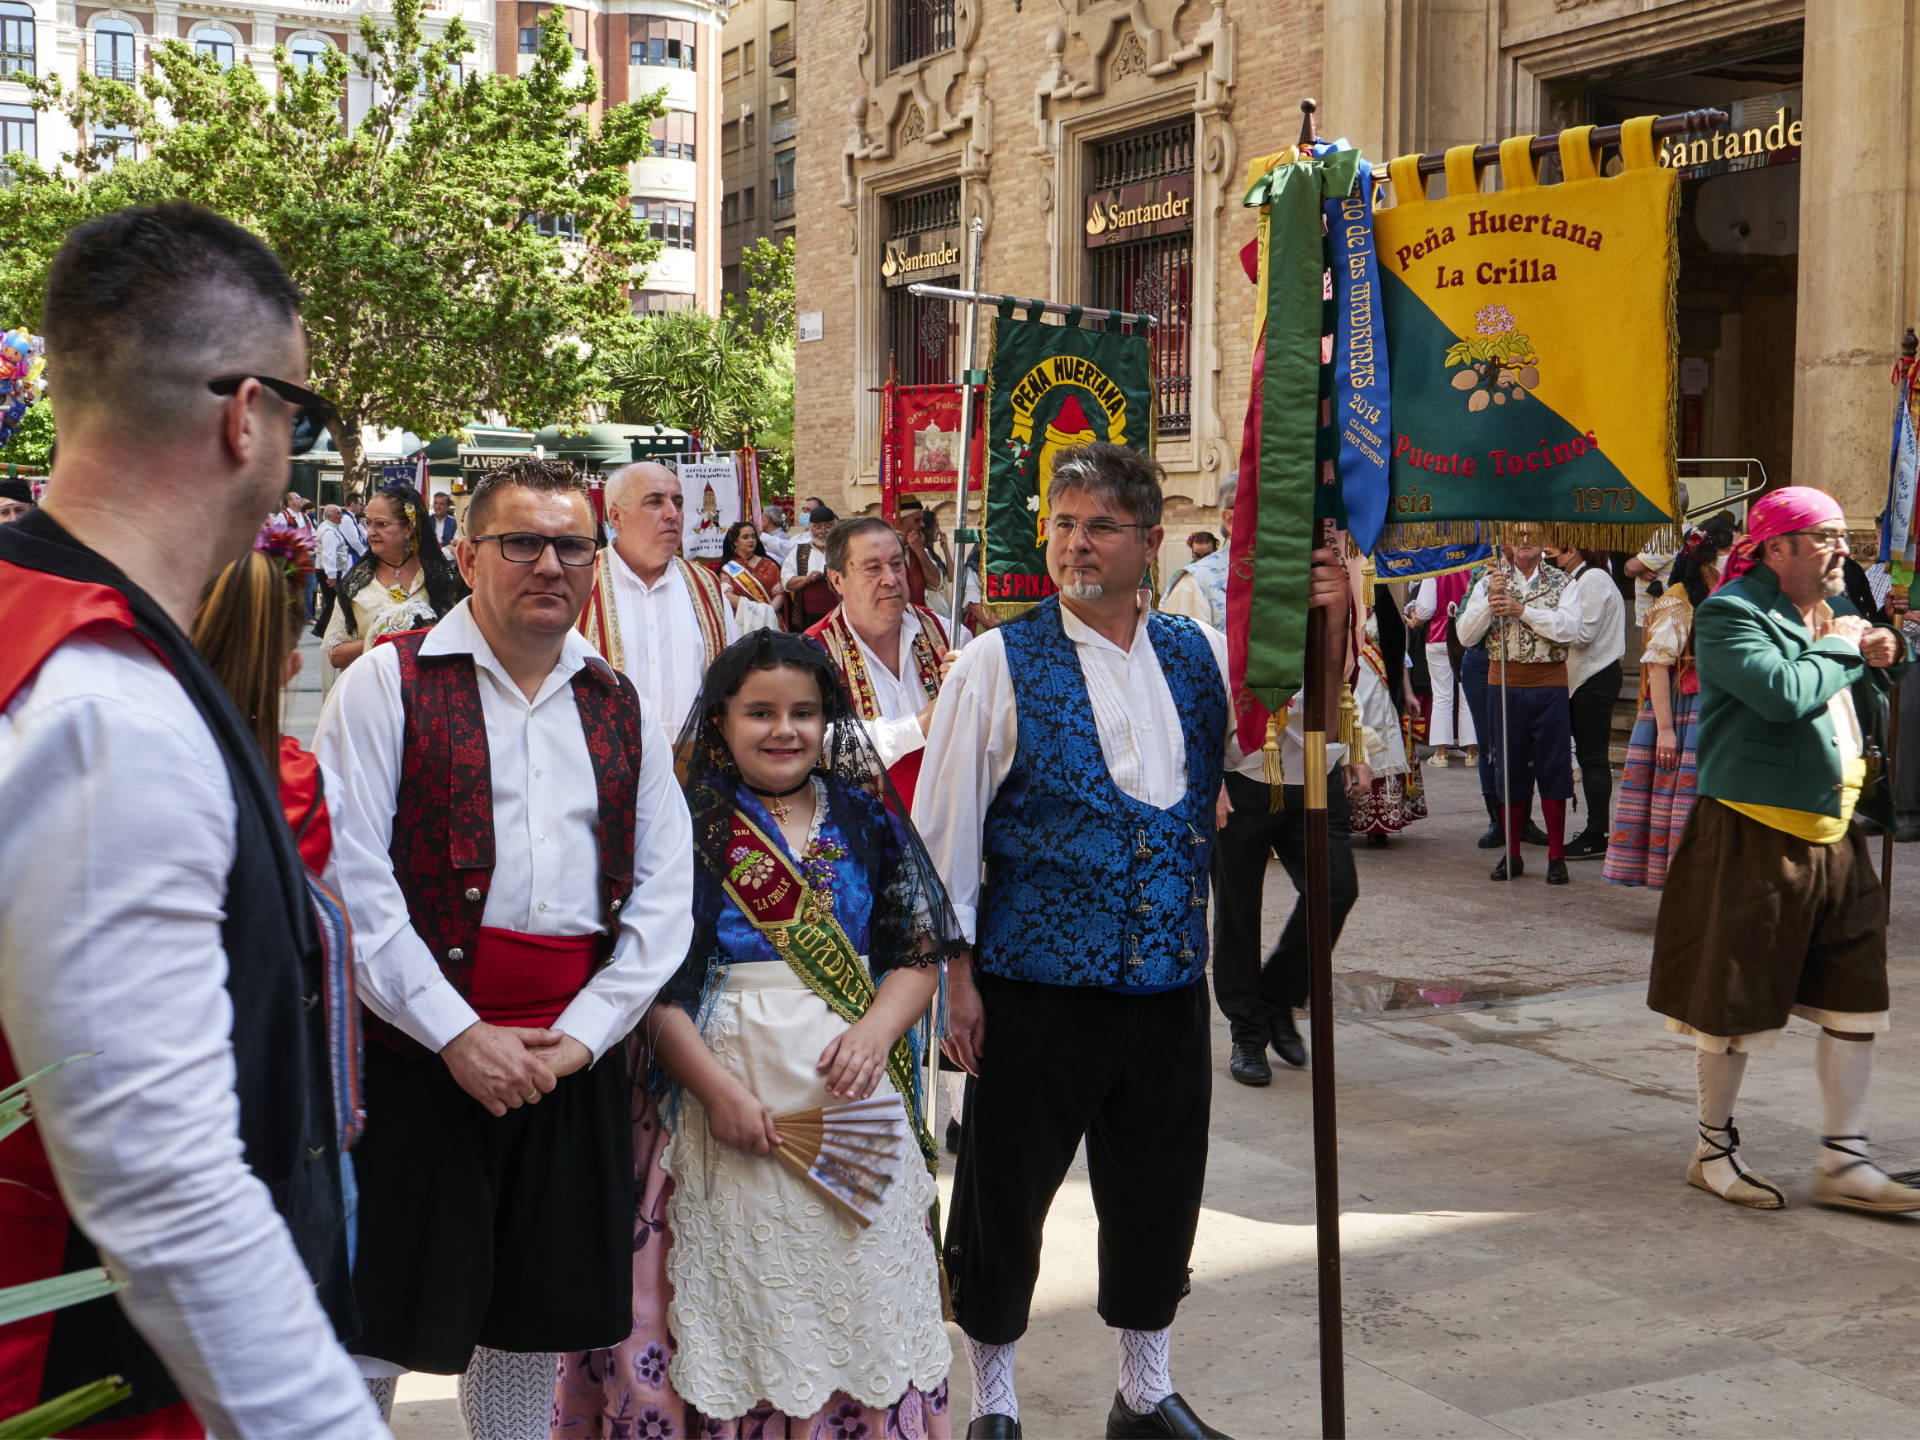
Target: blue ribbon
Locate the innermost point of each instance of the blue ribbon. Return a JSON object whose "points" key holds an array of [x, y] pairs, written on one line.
{"points": [[1362, 403]]}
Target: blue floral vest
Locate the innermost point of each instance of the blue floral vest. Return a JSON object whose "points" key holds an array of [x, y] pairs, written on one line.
{"points": [[1086, 885]]}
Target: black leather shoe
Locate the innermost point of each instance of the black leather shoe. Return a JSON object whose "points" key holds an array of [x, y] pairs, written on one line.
{"points": [[994, 1427], [1171, 1417], [1908, 833], [1556, 872], [953, 1136], [1587, 846], [1500, 870], [1493, 838], [1286, 1041], [1249, 1063], [1532, 834]]}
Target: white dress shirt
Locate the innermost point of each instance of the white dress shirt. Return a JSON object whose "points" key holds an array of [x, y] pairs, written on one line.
{"points": [[816, 560], [1602, 638], [332, 558], [114, 857], [896, 734], [545, 809], [1560, 624], [354, 533], [975, 733], [661, 638]]}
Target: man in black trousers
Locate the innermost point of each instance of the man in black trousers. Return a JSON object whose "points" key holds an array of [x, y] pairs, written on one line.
{"points": [[1259, 999]]}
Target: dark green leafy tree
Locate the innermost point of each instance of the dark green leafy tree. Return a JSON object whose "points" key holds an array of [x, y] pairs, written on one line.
{"points": [[466, 247]]}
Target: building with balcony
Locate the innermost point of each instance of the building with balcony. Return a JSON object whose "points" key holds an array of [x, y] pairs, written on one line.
{"points": [[634, 47], [57, 37], [759, 128]]}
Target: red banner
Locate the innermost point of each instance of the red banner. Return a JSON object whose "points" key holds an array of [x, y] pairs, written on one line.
{"points": [[920, 431]]}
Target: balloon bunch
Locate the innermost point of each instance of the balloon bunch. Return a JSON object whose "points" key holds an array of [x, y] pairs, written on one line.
{"points": [[22, 381]]}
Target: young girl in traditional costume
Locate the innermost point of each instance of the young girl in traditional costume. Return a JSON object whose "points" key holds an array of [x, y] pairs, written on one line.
{"points": [[762, 1308]]}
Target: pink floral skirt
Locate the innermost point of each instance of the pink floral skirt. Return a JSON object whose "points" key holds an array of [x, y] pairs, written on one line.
{"points": [[625, 1393]]}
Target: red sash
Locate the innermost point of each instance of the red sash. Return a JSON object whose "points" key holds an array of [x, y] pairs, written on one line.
{"points": [[529, 979], [905, 775]]}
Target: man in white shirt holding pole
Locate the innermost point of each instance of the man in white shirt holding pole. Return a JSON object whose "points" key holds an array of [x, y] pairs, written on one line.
{"points": [[1593, 684], [155, 926], [517, 860]]}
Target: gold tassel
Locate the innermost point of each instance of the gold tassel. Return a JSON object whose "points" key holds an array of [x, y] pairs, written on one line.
{"points": [[1276, 770], [1352, 733]]}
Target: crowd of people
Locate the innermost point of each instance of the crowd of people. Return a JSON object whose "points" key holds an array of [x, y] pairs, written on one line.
{"points": [[464, 1042]]}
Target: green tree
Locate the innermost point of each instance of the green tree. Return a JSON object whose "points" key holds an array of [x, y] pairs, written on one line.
{"points": [[766, 311], [32, 440], [467, 246]]}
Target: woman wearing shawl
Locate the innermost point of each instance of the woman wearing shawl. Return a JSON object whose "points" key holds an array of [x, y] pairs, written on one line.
{"points": [[820, 927], [403, 582], [1393, 797], [752, 577], [1656, 783]]}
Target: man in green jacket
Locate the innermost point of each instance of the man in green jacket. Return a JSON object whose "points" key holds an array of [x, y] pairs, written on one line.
{"points": [[1771, 907]]}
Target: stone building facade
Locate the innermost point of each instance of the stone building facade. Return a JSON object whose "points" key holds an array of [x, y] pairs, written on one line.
{"points": [[759, 128], [918, 115]]}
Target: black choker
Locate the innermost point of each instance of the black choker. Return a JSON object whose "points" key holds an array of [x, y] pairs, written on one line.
{"points": [[782, 794]]}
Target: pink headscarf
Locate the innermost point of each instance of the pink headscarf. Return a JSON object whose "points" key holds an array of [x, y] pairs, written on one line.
{"points": [[1780, 512]]}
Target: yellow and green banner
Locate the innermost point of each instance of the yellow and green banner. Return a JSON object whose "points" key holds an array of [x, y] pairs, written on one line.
{"points": [[1532, 347], [1051, 387]]}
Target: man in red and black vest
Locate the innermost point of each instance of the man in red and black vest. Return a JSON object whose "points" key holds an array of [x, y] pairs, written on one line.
{"points": [[517, 861], [155, 930]]}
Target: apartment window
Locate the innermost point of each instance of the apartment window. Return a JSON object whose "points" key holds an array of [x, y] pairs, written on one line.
{"points": [[113, 50], [746, 57], [651, 302], [783, 173], [113, 143], [217, 46], [729, 65], [920, 28], [669, 222], [1152, 275], [673, 135], [653, 41], [784, 124], [306, 53], [529, 39], [747, 132], [730, 209], [558, 227], [746, 203], [16, 39], [730, 279], [18, 135], [730, 136], [781, 46]]}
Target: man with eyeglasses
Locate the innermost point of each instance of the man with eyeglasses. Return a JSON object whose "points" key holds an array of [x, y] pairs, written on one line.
{"points": [[1771, 907], [1076, 754], [516, 858], [658, 618], [155, 928], [890, 652]]}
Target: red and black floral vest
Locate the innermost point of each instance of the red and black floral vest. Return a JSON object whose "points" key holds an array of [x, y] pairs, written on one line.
{"points": [[442, 846]]}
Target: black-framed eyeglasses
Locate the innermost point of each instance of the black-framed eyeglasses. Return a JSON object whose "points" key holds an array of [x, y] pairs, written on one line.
{"points": [[310, 415], [525, 547]]}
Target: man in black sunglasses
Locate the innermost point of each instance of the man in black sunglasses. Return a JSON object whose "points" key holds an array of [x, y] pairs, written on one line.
{"points": [[153, 908]]}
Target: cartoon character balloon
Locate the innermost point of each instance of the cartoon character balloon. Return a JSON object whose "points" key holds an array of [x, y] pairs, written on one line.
{"points": [[22, 382]]}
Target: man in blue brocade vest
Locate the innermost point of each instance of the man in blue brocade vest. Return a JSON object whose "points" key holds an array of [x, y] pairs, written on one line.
{"points": [[1076, 755]]}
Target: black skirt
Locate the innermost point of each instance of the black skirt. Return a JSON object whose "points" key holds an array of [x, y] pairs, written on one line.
{"points": [[515, 1233]]}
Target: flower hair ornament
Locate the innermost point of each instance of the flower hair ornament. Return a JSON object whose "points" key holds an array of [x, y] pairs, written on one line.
{"points": [[1698, 545], [291, 549]]}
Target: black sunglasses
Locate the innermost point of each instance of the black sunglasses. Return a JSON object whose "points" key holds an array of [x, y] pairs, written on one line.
{"points": [[309, 420]]}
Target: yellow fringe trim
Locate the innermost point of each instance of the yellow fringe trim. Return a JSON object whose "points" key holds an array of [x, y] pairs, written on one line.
{"points": [[1275, 768], [1575, 534], [1352, 733]]}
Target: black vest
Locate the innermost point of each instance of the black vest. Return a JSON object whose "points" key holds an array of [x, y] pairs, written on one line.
{"points": [[274, 981]]}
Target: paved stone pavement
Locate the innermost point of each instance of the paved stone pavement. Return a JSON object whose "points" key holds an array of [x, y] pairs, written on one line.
{"points": [[1521, 1253]]}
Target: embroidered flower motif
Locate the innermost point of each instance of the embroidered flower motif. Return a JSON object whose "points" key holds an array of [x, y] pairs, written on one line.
{"points": [[845, 1421], [754, 871], [1493, 320], [651, 1365], [653, 1424]]}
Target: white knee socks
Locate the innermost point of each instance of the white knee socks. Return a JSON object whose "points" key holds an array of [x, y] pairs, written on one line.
{"points": [[507, 1396], [992, 1379], [1146, 1364], [1845, 1072], [1720, 1073]]}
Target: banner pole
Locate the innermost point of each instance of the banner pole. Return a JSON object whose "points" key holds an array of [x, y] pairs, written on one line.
{"points": [[1326, 1147], [1909, 351], [957, 581]]}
